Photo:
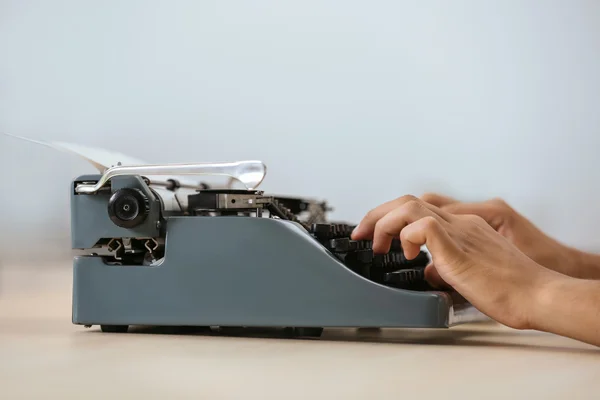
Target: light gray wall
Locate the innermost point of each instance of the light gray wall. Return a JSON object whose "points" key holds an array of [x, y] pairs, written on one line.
{"points": [[471, 98]]}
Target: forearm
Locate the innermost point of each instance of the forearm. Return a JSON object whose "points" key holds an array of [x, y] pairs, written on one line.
{"points": [[568, 307], [583, 265]]}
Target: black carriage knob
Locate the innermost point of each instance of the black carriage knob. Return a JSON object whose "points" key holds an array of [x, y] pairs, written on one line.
{"points": [[128, 208]]}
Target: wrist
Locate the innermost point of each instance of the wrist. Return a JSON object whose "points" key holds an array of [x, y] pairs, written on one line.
{"points": [[545, 299], [582, 264], [567, 306]]}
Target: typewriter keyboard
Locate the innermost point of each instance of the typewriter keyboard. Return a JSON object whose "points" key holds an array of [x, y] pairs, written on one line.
{"points": [[391, 269]]}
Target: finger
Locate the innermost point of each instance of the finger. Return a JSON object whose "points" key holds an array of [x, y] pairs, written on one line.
{"points": [[437, 200], [366, 227], [432, 276], [391, 224], [431, 232], [487, 210]]}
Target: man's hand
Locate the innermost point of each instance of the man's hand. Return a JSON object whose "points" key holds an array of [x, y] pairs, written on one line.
{"points": [[467, 253], [525, 235]]}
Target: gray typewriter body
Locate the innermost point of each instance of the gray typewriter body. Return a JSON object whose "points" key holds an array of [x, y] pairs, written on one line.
{"points": [[212, 262]]}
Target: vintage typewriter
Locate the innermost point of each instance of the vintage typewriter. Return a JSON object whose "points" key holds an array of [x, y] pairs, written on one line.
{"points": [[162, 249]]}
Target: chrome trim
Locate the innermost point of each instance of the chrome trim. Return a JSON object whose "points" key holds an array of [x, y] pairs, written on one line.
{"points": [[465, 314], [461, 311], [250, 173]]}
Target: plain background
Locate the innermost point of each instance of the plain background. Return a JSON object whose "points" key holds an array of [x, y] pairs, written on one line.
{"points": [[356, 102]]}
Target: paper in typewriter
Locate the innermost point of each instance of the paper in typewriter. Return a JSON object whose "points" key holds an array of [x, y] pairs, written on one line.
{"points": [[102, 159]]}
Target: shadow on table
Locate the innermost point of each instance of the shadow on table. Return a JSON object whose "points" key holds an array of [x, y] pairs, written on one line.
{"points": [[480, 336]]}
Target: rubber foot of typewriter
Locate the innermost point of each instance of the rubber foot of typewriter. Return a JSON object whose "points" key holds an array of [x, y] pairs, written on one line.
{"points": [[306, 332], [114, 328]]}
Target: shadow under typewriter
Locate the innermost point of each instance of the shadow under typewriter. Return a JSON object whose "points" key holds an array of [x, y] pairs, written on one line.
{"points": [[484, 335]]}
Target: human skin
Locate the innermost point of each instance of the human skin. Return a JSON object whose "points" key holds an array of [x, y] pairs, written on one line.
{"points": [[486, 268], [525, 235]]}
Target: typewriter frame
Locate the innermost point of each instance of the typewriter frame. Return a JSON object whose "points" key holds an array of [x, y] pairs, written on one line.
{"points": [[225, 271]]}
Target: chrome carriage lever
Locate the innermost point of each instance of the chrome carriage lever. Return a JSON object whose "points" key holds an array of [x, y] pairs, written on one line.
{"points": [[250, 173]]}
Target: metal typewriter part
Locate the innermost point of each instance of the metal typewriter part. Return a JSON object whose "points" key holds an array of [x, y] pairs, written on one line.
{"points": [[236, 258], [249, 173]]}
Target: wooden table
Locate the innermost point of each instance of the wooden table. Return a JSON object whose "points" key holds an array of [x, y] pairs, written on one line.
{"points": [[43, 355]]}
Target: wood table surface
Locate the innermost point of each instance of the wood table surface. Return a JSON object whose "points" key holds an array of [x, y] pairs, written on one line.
{"points": [[43, 355]]}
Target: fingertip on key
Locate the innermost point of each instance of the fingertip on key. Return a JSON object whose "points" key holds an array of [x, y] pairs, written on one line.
{"points": [[380, 248], [355, 232]]}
